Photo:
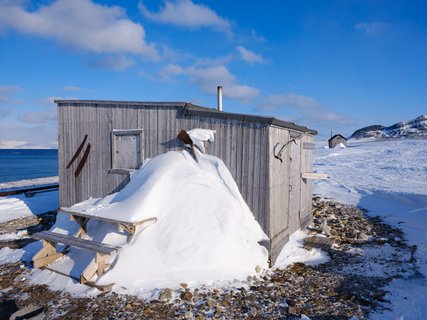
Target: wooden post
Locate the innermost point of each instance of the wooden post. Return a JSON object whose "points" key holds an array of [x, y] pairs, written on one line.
{"points": [[97, 266], [100, 261], [46, 255]]}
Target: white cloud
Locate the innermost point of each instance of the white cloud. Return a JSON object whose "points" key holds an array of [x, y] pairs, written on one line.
{"points": [[50, 101], [37, 117], [257, 37], [169, 71], [6, 92], [71, 88], [115, 62], [221, 60], [4, 112], [24, 134], [250, 56], [308, 107], [12, 144], [79, 23], [209, 78], [372, 27], [185, 13], [278, 101]]}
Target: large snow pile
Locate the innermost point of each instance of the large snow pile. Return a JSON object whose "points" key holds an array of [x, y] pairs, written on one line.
{"points": [[389, 178], [205, 232]]}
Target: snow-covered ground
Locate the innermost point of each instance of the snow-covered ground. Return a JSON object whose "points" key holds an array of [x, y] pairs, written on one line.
{"points": [[389, 178], [19, 206], [386, 177]]}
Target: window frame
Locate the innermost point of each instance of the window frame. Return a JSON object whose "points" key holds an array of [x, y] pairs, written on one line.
{"points": [[124, 132]]}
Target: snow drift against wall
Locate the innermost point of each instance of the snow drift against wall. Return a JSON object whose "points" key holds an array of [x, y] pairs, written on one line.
{"points": [[205, 231]]}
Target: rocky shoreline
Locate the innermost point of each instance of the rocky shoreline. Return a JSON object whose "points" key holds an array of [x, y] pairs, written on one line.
{"points": [[365, 255]]}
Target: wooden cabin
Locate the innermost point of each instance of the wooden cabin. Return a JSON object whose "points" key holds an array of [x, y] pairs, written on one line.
{"points": [[336, 140], [268, 158]]}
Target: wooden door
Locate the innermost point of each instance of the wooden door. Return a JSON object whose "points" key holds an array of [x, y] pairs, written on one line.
{"points": [[294, 184]]}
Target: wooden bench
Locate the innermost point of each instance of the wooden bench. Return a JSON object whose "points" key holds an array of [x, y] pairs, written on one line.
{"points": [[82, 219], [48, 253], [103, 251]]}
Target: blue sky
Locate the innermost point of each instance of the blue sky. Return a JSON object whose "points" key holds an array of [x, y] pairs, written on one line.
{"points": [[329, 65]]}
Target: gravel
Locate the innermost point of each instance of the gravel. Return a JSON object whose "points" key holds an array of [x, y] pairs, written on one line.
{"points": [[365, 255]]}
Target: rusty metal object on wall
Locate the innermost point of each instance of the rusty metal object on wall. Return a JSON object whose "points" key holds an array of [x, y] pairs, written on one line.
{"points": [[79, 149], [279, 154], [82, 161]]}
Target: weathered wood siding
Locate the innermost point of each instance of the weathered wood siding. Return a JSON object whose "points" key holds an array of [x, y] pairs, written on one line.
{"points": [[243, 146], [306, 184]]}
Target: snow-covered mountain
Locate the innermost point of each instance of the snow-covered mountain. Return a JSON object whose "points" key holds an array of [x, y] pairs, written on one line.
{"points": [[416, 128], [18, 144]]}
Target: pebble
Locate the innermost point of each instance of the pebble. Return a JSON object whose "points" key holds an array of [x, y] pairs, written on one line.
{"points": [[186, 296], [315, 291], [166, 294]]}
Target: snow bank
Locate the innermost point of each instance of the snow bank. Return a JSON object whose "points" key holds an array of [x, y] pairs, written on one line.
{"points": [[18, 206], [205, 232], [294, 251]]}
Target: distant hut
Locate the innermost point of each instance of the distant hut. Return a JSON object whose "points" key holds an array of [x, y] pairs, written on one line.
{"points": [[336, 140]]}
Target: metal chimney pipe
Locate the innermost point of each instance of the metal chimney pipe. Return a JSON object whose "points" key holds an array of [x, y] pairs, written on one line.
{"points": [[219, 91]]}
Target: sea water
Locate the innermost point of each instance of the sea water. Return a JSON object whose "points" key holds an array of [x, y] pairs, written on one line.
{"points": [[20, 164]]}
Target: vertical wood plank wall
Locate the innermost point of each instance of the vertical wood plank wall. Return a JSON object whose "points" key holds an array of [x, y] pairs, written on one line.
{"points": [[306, 184], [247, 149], [237, 143]]}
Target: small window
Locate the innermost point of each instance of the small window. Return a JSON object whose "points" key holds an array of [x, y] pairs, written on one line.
{"points": [[126, 149]]}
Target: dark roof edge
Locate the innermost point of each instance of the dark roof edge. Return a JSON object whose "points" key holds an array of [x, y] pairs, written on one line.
{"points": [[338, 135], [63, 102], [192, 109], [197, 111]]}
